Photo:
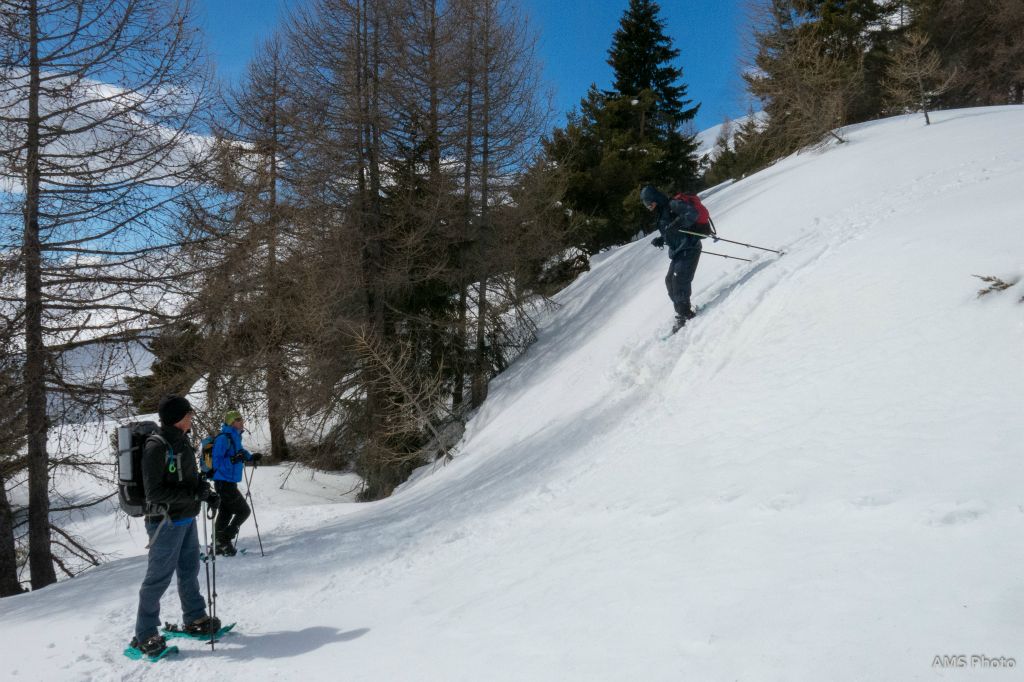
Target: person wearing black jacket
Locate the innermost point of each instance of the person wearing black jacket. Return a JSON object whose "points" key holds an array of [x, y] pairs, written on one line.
{"points": [[672, 217], [174, 496]]}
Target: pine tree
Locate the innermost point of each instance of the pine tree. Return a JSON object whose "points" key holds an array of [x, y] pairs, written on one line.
{"points": [[641, 57], [628, 136]]}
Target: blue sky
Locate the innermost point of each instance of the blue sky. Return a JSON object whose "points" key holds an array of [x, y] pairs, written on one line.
{"points": [[574, 37]]}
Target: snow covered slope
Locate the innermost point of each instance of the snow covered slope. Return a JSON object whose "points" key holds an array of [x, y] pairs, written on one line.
{"points": [[819, 478]]}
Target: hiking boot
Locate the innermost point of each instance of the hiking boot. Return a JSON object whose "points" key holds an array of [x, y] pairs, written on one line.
{"points": [[226, 549], [202, 626], [151, 646], [679, 323]]}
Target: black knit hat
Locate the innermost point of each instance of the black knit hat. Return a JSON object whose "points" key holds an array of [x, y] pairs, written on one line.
{"points": [[173, 409]]}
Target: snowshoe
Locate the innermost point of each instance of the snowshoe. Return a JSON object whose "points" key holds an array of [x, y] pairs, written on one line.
{"points": [[152, 649], [202, 627], [204, 631], [226, 549]]}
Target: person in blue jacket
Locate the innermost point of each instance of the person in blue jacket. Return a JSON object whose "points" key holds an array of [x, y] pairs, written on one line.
{"points": [[229, 459], [672, 217]]}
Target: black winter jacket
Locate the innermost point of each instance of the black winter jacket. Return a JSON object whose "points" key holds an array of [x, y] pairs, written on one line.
{"points": [[670, 217], [172, 482]]}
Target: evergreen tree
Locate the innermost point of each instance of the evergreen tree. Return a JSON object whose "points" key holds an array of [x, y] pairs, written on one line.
{"points": [[641, 57], [811, 68], [982, 42], [630, 135]]}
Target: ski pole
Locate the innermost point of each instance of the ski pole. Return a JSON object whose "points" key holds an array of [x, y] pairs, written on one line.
{"points": [[210, 593], [722, 255], [723, 239], [248, 496], [213, 555]]}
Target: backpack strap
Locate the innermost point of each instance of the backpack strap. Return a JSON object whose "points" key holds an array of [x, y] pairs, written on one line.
{"points": [[231, 442], [173, 458]]}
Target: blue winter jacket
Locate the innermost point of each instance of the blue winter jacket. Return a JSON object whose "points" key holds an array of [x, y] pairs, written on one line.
{"points": [[223, 449], [670, 216]]}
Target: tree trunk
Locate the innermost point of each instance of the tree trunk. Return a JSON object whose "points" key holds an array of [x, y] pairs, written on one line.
{"points": [[275, 412], [40, 557], [275, 369], [462, 340], [9, 583], [459, 382], [373, 253], [480, 370]]}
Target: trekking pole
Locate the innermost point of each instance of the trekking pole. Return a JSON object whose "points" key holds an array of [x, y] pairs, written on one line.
{"points": [[212, 554], [723, 239], [211, 594], [722, 255], [248, 496]]}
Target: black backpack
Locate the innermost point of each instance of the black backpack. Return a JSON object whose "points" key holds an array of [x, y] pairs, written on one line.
{"points": [[131, 440]]}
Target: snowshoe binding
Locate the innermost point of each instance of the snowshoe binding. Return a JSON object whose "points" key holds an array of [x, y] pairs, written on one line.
{"points": [[205, 628], [152, 649], [202, 627]]}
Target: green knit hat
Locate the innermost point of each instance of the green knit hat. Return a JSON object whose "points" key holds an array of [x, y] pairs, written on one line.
{"points": [[231, 416]]}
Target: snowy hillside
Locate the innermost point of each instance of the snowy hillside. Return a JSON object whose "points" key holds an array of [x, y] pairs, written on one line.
{"points": [[820, 477], [707, 138]]}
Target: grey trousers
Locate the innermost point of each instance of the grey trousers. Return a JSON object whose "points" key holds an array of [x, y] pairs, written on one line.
{"points": [[176, 550]]}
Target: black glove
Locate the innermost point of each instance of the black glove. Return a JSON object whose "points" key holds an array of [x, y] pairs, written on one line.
{"points": [[206, 494], [659, 242], [256, 457], [237, 457]]}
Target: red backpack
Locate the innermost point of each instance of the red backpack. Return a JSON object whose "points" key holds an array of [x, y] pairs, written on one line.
{"points": [[703, 223]]}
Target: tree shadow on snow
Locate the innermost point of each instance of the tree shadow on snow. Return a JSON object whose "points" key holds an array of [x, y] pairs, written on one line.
{"points": [[283, 644]]}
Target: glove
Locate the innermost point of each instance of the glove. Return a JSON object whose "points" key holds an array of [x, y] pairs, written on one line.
{"points": [[206, 494], [237, 457], [256, 457], [659, 242]]}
